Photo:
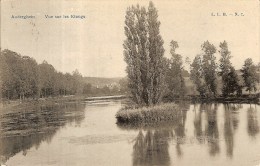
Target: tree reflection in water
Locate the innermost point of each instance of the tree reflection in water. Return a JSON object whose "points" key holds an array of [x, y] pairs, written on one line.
{"points": [[152, 143], [230, 125], [152, 146], [198, 124], [179, 131], [252, 122], [211, 133], [29, 126]]}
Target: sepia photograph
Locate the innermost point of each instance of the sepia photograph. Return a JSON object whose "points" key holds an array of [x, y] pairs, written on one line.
{"points": [[130, 83]]}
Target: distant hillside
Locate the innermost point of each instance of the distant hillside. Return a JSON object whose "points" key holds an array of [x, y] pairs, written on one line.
{"points": [[100, 82]]}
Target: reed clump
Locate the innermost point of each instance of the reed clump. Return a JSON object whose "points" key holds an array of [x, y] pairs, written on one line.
{"points": [[156, 113]]}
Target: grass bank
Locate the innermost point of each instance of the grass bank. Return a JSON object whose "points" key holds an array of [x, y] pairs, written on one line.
{"points": [[157, 113]]}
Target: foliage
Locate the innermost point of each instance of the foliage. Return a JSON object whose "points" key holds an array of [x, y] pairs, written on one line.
{"points": [[174, 77], [209, 67], [196, 75], [233, 84], [87, 88], [143, 52], [21, 77], [123, 83], [203, 70], [258, 72], [249, 74], [46, 79], [227, 72]]}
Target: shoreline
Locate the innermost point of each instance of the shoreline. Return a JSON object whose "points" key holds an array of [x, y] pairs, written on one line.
{"points": [[60, 99], [171, 111], [244, 99]]}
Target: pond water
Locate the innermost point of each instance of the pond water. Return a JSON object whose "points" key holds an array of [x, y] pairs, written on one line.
{"points": [[87, 134]]}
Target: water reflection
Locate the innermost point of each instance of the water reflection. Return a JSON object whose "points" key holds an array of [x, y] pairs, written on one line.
{"points": [[199, 136], [208, 131], [252, 121], [31, 125], [208, 112], [198, 131], [212, 131], [152, 148], [179, 132], [212, 123], [230, 125]]}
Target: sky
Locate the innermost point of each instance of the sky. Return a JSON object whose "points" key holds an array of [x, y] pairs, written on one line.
{"points": [[94, 45]]}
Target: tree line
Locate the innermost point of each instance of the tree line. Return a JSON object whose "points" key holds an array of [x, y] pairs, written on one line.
{"points": [[205, 72], [151, 76], [21, 77]]}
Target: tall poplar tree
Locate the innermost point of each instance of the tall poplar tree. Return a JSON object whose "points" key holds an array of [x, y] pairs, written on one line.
{"points": [[1, 74], [227, 71], [196, 75], [249, 75], [174, 77], [156, 52], [209, 67], [143, 52], [132, 49]]}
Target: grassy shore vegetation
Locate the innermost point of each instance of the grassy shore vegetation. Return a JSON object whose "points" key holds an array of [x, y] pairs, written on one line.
{"points": [[153, 125], [156, 113]]}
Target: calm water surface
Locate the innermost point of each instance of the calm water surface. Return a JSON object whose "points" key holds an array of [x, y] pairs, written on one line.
{"points": [[87, 134]]}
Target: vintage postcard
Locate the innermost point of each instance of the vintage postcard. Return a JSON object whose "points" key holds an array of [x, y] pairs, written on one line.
{"points": [[130, 82]]}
